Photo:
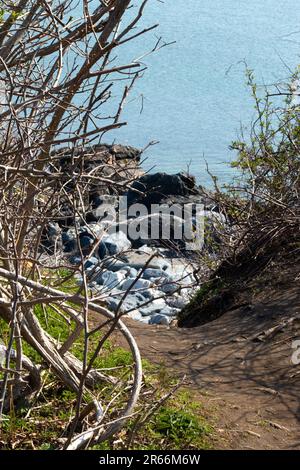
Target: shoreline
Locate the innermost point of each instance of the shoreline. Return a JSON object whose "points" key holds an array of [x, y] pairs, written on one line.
{"points": [[148, 279]]}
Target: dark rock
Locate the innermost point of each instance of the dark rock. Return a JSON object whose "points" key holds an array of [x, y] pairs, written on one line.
{"points": [[167, 228], [153, 188], [51, 237], [97, 199], [99, 160], [91, 217], [69, 242], [66, 237], [70, 246], [112, 303], [102, 250], [153, 273], [75, 259], [97, 154], [86, 241], [91, 262], [122, 152]]}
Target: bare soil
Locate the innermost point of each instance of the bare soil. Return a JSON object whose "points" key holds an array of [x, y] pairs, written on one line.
{"points": [[239, 368]]}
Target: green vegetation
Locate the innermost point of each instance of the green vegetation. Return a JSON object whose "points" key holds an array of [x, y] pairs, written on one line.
{"points": [[261, 204], [179, 423]]}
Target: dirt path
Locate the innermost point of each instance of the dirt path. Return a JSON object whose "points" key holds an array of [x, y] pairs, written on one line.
{"points": [[251, 382]]}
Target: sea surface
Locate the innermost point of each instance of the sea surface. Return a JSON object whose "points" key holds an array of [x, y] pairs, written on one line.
{"points": [[193, 97]]}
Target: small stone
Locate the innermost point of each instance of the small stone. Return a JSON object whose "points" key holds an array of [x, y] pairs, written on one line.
{"points": [[135, 315], [132, 273], [110, 279], [91, 262], [129, 304], [102, 250], [157, 306], [176, 302], [138, 285], [112, 304], [170, 287], [159, 320], [170, 312], [116, 242], [86, 242], [147, 294], [75, 259], [69, 246], [153, 273]]}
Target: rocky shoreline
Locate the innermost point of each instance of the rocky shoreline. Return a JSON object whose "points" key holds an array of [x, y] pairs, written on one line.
{"points": [[149, 279]]}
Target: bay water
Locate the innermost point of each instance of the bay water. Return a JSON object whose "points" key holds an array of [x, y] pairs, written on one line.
{"points": [[193, 96]]}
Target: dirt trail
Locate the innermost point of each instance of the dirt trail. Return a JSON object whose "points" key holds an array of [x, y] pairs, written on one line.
{"points": [[253, 383]]}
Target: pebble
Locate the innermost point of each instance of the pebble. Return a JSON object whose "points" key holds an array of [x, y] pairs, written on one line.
{"points": [[116, 243], [110, 279], [91, 262], [176, 302], [160, 279], [139, 284], [170, 287], [159, 320], [153, 273]]}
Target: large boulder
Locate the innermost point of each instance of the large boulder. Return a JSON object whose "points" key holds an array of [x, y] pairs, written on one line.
{"points": [[158, 229], [153, 188], [98, 161], [95, 156]]}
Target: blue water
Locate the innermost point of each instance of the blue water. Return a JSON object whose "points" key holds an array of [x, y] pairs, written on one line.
{"points": [[194, 92]]}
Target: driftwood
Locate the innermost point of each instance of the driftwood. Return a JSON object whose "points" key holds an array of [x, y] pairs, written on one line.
{"points": [[271, 332]]}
